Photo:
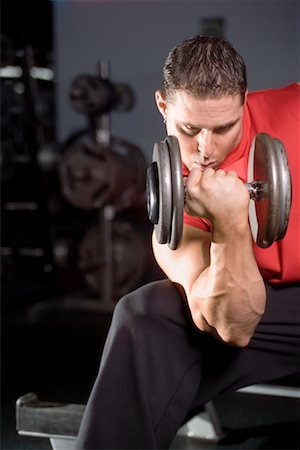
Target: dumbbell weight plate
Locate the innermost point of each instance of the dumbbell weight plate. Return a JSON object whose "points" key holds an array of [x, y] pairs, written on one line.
{"points": [[165, 192], [161, 163], [269, 214], [177, 192], [285, 193]]}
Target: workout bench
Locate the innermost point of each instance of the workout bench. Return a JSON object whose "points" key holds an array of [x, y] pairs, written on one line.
{"points": [[60, 422]]}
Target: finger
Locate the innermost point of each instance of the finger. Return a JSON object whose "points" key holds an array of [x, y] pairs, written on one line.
{"points": [[208, 173], [221, 173], [231, 173], [194, 177]]}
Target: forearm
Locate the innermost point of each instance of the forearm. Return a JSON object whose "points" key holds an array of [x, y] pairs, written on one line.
{"points": [[228, 298]]}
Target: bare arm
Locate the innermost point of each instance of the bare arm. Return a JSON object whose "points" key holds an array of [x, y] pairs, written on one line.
{"points": [[218, 271]]}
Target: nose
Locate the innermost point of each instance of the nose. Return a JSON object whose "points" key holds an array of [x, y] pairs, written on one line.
{"points": [[204, 141]]}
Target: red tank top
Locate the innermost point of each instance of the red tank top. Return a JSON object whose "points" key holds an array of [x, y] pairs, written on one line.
{"points": [[276, 112]]}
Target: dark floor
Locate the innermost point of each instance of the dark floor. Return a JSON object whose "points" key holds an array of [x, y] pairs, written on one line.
{"points": [[55, 353]]}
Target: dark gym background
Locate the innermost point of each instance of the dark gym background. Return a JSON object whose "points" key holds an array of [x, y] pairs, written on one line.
{"points": [[54, 318]]}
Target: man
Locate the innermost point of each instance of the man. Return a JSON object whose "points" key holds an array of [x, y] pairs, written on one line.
{"points": [[228, 314]]}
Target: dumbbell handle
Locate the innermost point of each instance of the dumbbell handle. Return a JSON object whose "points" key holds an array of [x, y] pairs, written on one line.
{"points": [[257, 189]]}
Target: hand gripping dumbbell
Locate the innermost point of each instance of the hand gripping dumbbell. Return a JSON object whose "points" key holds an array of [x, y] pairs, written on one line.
{"points": [[268, 182]]}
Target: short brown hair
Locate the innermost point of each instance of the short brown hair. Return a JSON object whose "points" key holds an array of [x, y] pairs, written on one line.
{"points": [[205, 66]]}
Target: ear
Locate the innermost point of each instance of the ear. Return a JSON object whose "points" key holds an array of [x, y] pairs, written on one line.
{"points": [[245, 98], [161, 103]]}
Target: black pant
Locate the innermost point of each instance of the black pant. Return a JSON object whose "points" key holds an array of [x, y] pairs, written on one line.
{"points": [[157, 369]]}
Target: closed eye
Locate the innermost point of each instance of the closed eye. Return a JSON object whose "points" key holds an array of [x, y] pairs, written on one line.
{"points": [[223, 129], [189, 130]]}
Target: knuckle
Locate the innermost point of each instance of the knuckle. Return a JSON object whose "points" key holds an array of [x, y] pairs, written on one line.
{"points": [[232, 174]]}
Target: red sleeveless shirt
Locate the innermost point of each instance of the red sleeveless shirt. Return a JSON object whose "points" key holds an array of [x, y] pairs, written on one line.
{"points": [[276, 112]]}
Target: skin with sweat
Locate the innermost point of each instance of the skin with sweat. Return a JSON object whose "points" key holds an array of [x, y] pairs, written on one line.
{"points": [[224, 288]]}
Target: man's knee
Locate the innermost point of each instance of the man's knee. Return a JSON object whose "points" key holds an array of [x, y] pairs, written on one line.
{"points": [[150, 302]]}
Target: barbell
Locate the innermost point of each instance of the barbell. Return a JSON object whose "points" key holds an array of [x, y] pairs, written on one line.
{"points": [[268, 182]]}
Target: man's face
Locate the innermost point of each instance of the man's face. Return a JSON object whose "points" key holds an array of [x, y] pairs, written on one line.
{"points": [[207, 129]]}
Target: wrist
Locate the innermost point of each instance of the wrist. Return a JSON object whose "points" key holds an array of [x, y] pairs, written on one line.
{"points": [[227, 232]]}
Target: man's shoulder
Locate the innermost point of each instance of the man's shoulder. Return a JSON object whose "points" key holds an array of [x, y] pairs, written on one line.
{"points": [[277, 92], [275, 100]]}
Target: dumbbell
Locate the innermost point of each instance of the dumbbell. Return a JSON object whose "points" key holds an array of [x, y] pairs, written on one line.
{"points": [[268, 182]]}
